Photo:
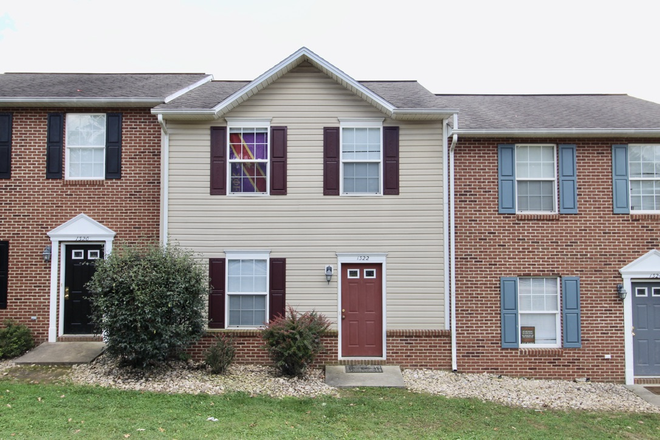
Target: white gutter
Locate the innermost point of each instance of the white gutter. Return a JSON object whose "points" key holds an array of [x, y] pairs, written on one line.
{"points": [[454, 355], [69, 102], [445, 219], [164, 180], [555, 132]]}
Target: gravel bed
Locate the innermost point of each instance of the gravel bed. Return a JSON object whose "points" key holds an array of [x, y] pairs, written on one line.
{"points": [[192, 378], [528, 393]]}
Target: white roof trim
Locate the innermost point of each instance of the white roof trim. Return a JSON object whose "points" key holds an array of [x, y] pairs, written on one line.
{"points": [[289, 63], [81, 226], [581, 132], [185, 90], [643, 266]]}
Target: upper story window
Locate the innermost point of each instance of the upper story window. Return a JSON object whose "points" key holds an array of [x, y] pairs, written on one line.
{"points": [[644, 170], [249, 146], [536, 178], [361, 157], [85, 146]]}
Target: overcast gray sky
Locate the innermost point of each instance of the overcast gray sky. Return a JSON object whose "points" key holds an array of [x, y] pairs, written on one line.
{"points": [[460, 46]]}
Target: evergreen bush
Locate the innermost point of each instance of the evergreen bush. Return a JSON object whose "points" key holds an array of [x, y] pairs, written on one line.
{"points": [[15, 339], [149, 302], [293, 341], [221, 354]]}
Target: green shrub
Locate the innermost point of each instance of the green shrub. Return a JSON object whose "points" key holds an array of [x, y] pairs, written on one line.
{"points": [[149, 302], [293, 341], [221, 354], [15, 339]]}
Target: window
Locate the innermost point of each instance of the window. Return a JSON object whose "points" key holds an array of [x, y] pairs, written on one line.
{"points": [[644, 172], [535, 178], [85, 146], [532, 316], [248, 160], [361, 160], [539, 310], [529, 182], [247, 288]]}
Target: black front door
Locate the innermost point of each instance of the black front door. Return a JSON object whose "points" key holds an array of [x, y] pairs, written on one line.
{"points": [[79, 268]]}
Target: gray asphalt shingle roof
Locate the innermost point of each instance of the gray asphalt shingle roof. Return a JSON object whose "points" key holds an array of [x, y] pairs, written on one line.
{"points": [[528, 112], [94, 85]]}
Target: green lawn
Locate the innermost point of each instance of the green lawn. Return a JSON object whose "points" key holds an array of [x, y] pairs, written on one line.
{"points": [[66, 411]]}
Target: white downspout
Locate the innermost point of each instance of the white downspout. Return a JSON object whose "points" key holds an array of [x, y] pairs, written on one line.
{"points": [[445, 220], [454, 355], [165, 180]]}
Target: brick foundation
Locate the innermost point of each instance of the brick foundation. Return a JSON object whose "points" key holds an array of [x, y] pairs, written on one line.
{"points": [[406, 348]]}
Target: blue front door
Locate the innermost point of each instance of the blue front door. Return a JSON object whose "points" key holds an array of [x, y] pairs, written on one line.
{"points": [[646, 331]]}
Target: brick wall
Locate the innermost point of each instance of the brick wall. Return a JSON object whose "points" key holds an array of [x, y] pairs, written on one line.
{"points": [[593, 245], [406, 348], [32, 205]]}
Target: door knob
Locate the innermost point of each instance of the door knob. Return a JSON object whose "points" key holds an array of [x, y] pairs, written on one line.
{"points": [[66, 293]]}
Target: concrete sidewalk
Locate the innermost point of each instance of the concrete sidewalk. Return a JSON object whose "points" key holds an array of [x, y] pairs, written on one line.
{"points": [[62, 353], [339, 376]]}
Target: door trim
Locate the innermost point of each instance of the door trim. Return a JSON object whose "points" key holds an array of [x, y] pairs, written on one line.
{"points": [[362, 258], [82, 230], [645, 268]]}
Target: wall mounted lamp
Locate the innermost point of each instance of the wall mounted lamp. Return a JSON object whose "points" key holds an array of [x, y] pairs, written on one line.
{"points": [[328, 273], [46, 254], [621, 292]]}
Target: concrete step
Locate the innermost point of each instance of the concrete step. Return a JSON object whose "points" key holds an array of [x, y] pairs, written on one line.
{"points": [[347, 376], [62, 353]]}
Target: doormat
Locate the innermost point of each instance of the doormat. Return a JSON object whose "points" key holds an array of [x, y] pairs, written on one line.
{"points": [[364, 369], [654, 390]]}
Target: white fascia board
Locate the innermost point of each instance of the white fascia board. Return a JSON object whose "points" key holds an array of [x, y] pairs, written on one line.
{"points": [[289, 63], [81, 102], [189, 114], [185, 90], [560, 132]]}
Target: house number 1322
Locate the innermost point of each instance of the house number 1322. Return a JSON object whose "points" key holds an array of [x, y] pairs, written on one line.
{"points": [[363, 258]]}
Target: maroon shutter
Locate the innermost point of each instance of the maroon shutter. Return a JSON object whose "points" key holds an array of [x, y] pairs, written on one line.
{"points": [[113, 146], [5, 145], [217, 294], [218, 160], [331, 161], [54, 145], [4, 269], [391, 160], [278, 161], [277, 295]]}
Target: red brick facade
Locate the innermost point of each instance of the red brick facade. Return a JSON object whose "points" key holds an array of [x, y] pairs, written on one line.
{"points": [[593, 244], [33, 205]]}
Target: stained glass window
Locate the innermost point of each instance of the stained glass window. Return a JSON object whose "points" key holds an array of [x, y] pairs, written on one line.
{"points": [[248, 160]]}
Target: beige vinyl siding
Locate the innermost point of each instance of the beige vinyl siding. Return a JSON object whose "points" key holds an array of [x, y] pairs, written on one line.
{"points": [[308, 228]]}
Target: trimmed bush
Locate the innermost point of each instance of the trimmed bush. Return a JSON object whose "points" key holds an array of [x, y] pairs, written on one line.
{"points": [[149, 302], [15, 339], [293, 341], [221, 354]]}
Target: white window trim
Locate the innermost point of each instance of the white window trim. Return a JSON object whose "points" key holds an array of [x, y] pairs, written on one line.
{"points": [[360, 123], [639, 179], [67, 148], [546, 179], [558, 333], [248, 123], [246, 255]]}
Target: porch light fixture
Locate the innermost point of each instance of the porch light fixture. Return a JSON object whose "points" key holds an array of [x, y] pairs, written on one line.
{"points": [[621, 292], [46, 254], [328, 273]]}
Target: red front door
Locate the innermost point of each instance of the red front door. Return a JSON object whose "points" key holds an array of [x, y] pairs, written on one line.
{"points": [[362, 310]]}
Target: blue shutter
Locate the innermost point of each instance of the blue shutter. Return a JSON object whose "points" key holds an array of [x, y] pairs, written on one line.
{"points": [[5, 145], [567, 179], [54, 145], [620, 184], [570, 287], [509, 305], [506, 173], [113, 146]]}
